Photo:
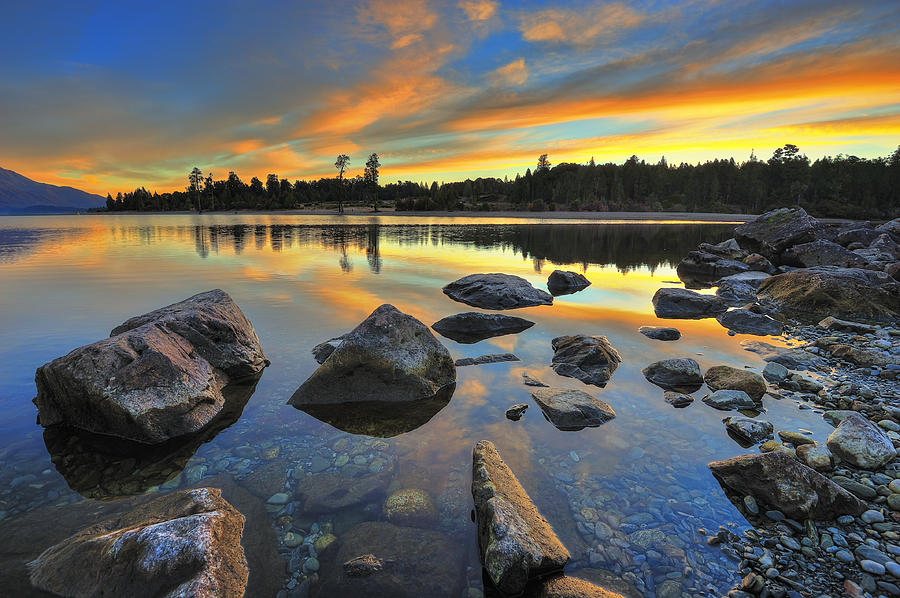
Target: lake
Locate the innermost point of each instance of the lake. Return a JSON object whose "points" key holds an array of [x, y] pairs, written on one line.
{"points": [[631, 499]]}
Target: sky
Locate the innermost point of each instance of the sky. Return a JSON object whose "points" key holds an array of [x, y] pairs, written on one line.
{"points": [[109, 96]]}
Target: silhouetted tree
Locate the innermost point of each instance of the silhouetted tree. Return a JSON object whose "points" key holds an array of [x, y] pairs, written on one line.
{"points": [[194, 180], [543, 163], [370, 178], [341, 164]]}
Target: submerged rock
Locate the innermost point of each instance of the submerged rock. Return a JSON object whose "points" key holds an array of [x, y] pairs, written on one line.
{"points": [[329, 492], [412, 507], [725, 377], [516, 542], [787, 485], [660, 333], [159, 376], [496, 291], [745, 321], [672, 302], [590, 359], [564, 282], [183, 544], [847, 293], [861, 443], [775, 231], [675, 374], [485, 359], [471, 327], [748, 429], [390, 357], [572, 409], [729, 400]]}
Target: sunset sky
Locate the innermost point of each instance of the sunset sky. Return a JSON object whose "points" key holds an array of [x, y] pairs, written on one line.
{"points": [[107, 96]]}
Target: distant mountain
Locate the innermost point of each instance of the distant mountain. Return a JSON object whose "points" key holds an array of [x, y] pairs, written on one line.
{"points": [[21, 195]]}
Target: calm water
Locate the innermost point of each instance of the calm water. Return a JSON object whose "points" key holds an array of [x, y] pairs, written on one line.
{"points": [[627, 498]]}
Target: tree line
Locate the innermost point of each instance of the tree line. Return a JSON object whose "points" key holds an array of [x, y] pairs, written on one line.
{"points": [[842, 186]]}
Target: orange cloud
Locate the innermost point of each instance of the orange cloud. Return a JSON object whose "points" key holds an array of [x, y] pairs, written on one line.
{"points": [[578, 27], [478, 10], [514, 73]]}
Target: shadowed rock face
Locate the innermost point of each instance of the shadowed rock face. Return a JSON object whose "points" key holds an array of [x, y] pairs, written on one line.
{"points": [[821, 253], [516, 542], [496, 291], [473, 326], [160, 375], [745, 321], [572, 409], [590, 359], [702, 267], [390, 357], [775, 231], [682, 303], [566, 282], [182, 544], [785, 484]]}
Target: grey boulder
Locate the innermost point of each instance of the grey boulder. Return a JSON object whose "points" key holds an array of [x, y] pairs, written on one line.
{"points": [[729, 400], [672, 302], [682, 374], [745, 321], [748, 429], [496, 291], [703, 266], [821, 253], [591, 359], [775, 231], [572, 409], [861, 443], [471, 327], [660, 333], [564, 282], [740, 288]]}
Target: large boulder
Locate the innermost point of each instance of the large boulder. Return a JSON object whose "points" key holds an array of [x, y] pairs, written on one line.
{"points": [[847, 293], [572, 409], [861, 443], [516, 542], [739, 289], [747, 429], [891, 227], [746, 321], [728, 248], [725, 377], [159, 376], [590, 359], [391, 357], [703, 266], [182, 544], [861, 235], [775, 231], [673, 302], [496, 291], [565, 282], [471, 327], [375, 559], [682, 374], [821, 253], [787, 485]]}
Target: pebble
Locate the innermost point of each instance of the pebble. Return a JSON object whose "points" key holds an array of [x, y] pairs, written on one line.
{"points": [[872, 567], [872, 516]]}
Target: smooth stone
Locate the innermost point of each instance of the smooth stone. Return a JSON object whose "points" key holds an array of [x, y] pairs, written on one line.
{"points": [[516, 411], [861, 443], [745, 321], [682, 374], [591, 359], [724, 377], [872, 567], [729, 400], [496, 291], [672, 302], [564, 282], [471, 327], [660, 333], [748, 429], [872, 516], [572, 409]]}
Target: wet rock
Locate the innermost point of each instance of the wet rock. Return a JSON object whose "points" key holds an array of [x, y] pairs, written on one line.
{"points": [[516, 412], [758, 263], [729, 400], [702, 265], [375, 559], [738, 289], [323, 350], [267, 479], [660, 333], [861, 443], [564, 282], [846, 293], [563, 586], [516, 542], [329, 492], [496, 291], [590, 359], [672, 302], [795, 438], [485, 359], [677, 399], [745, 321], [748, 429], [529, 380], [821, 253], [471, 327], [182, 544], [390, 357], [572, 409], [410, 507], [681, 374], [786, 485], [773, 232], [724, 377], [159, 376]]}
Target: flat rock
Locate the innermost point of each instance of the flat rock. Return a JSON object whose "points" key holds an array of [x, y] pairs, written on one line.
{"points": [[861, 235], [832, 323], [591, 359], [777, 480], [861, 443], [484, 359], [892, 227], [496, 291], [390, 357], [660, 333], [729, 400], [159, 376], [748, 429], [745, 321], [673, 302], [794, 359], [529, 380], [565, 282], [186, 543], [725, 377], [739, 289], [680, 373], [811, 294], [821, 253], [773, 232], [471, 327], [572, 409], [516, 543]]}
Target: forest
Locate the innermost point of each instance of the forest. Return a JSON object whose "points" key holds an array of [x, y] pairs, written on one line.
{"points": [[844, 186]]}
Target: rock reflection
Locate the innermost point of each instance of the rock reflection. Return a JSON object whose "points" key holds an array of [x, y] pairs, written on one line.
{"points": [[104, 467]]}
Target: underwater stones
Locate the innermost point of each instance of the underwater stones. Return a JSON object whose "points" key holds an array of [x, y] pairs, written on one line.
{"points": [[471, 327], [157, 377], [682, 374], [861, 443], [591, 359], [565, 282], [724, 377], [745, 321], [729, 400], [496, 291], [485, 359], [412, 507], [673, 302], [391, 357], [186, 543], [329, 492], [773, 232], [516, 412], [660, 333], [787, 485], [516, 542], [748, 429], [572, 409]]}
